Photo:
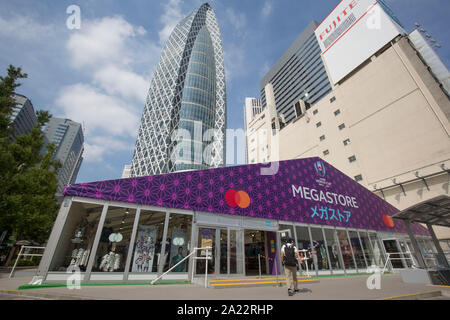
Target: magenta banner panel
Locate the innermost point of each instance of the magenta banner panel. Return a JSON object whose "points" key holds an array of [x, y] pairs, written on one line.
{"points": [[302, 190]]}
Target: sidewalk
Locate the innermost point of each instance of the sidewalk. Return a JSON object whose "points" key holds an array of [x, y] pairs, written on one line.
{"points": [[351, 288]]}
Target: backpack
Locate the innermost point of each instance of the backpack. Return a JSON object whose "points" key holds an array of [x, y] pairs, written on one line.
{"points": [[289, 256]]}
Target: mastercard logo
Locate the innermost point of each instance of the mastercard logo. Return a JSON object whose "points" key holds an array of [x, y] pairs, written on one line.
{"points": [[388, 220], [237, 198]]}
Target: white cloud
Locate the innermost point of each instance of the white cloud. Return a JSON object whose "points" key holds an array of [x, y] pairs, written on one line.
{"points": [[86, 104], [267, 9], [235, 63], [238, 20], [100, 146], [24, 28], [100, 41], [170, 18], [115, 80]]}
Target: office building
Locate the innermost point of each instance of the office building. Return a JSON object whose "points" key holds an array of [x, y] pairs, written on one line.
{"points": [[184, 120], [68, 137], [23, 116], [298, 74]]}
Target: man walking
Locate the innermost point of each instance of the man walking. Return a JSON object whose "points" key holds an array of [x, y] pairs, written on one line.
{"points": [[289, 256]]}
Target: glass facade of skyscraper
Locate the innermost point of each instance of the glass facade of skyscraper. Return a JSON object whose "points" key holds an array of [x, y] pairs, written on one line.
{"points": [[183, 124]]}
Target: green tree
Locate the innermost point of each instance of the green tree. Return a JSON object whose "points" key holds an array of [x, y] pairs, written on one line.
{"points": [[28, 182]]}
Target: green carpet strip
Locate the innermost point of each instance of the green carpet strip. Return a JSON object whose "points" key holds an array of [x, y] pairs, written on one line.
{"points": [[60, 285]]}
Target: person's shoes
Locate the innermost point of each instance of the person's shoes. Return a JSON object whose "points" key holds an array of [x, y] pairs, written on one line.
{"points": [[290, 292], [296, 291]]}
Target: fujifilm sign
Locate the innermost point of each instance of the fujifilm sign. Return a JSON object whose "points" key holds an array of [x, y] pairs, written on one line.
{"points": [[352, 33]]}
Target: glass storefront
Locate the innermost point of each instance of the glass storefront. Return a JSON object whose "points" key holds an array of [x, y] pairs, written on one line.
{"points": [[346, 250], [304, 243], [206, 238], [77, 238], [367, 247], [333, 249], [319, 251], [358, 252], [378, 255], [112, 249], [162, 240], [148, 243], [178, 242]]}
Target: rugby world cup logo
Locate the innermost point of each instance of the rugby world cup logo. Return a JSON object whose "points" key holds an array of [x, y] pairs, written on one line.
{"points": [[320, 168]]}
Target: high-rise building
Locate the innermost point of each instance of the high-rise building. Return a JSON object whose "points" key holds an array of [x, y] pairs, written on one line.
{"points": [[298, 74], [126, 173], [23, 116], [184, 119], [252, 108], [68, 137]]}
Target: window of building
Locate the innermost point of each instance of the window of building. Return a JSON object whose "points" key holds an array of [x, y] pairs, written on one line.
{"points": [[148, 243], [332, 99], [378, 257], [315, 112], [322, 138], [326, 152], [337, 112], [333, 249], [365, 243], [112, 250], [304, 243], [77, 237], [320, 256], [178, 242], [298, 110], [342, 126], [357, 250], [346, 142], [318, 124], [352, 159], [358, 177], [346, 251]]}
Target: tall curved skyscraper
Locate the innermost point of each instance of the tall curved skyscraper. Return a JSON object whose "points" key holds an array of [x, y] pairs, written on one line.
{"points": [[184, 119]]}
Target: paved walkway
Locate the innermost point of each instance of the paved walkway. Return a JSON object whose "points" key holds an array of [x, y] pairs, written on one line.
{"points": [[350, 288]]}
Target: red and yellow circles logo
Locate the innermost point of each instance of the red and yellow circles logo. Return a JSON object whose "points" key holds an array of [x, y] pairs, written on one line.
{"points": [[237, 198], [388, 220]]}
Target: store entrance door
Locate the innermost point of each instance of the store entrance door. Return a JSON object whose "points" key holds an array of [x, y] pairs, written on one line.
{"points": [[260, 252], [227, 251], [396, 257]]}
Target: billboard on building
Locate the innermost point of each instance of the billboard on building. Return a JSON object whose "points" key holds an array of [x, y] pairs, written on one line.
{"points": [[352, 33]]}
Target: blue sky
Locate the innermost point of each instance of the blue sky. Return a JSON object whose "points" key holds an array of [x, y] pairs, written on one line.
{"points": [[99, 75]]}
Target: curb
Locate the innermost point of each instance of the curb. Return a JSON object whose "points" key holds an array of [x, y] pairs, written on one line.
{"points": [[43, 295], [415, 296]]}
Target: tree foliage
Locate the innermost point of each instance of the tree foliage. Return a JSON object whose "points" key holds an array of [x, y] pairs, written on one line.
{"points": [[28, 180]]}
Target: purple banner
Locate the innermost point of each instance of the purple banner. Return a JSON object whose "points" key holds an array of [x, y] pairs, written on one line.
{"points": [[303, 190]]}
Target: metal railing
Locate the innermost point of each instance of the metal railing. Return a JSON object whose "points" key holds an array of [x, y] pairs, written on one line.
{"points": [[268, 258], [25, 255], [194, 251], [400, 258]]}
